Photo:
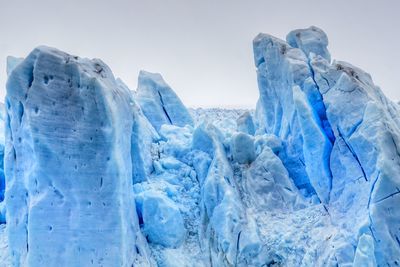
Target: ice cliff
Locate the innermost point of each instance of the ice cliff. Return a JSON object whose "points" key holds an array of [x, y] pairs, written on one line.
{"points": [[99, 175], [69, 196]]}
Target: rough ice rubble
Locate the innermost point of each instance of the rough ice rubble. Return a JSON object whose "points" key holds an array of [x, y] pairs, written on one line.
{"points": [[310, 180], [69, 190]]}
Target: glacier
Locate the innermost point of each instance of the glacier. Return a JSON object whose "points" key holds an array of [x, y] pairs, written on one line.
{"points": [[97, 174]]}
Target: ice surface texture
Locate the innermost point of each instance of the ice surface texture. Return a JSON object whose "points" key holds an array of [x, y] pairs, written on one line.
{"points": [[97, 174]]}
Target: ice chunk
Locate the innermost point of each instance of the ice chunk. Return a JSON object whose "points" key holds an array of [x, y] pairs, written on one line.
{"points": [[162, 220], [245, 123], [202, 140], [269, 186], [310, 40], [159, 102], [242, 148], [68, 165]]}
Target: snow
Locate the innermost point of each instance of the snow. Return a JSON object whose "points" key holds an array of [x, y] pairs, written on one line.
{"points": [[98, 172]]}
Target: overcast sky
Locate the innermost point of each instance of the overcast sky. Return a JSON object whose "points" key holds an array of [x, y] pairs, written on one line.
{"points": [[203, 48]]}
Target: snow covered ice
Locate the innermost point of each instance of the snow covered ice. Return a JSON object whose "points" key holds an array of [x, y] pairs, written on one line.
{"points": [[99, 175]]}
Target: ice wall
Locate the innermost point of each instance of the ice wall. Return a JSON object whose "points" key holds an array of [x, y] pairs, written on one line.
{"points": [[68, 165]]}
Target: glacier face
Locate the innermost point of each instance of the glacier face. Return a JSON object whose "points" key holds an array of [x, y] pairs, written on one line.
{"points": [[97, 174], [69, 195]]}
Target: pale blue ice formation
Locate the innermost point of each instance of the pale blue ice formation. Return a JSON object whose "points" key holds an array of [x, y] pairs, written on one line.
{"points": [[99, 175], [68, 166], [311, 40], [345, 132], [162, 220], [245, 123], [159, 102], [242, 148]]}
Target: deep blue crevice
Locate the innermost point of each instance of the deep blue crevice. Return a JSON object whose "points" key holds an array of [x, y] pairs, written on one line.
{"points": [[237, 245], [165, 111], [325, 124], [30, 76]]}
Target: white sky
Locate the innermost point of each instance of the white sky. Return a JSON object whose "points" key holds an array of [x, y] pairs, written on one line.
{"points": [[203, 48]]}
